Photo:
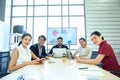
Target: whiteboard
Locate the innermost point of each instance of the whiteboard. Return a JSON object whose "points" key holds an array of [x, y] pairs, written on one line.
{"points": [[69, 35]]}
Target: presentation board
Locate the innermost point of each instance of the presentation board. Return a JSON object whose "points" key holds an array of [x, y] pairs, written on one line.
{"points": [[69, 35]]}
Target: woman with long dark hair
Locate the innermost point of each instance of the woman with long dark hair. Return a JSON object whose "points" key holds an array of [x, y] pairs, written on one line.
{"points": [[22, 55]]}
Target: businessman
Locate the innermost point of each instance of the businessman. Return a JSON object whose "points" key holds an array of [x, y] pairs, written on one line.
{"points": [[39, 49]]}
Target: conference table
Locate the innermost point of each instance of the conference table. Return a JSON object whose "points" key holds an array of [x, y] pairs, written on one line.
{"points": [[60, 70]]}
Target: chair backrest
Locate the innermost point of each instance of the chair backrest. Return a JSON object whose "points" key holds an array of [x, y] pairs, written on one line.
{"points": [[94, 54], [4, 61]]}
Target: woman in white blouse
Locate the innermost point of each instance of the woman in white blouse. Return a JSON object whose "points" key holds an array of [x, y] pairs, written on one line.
{"points": [[84, 51], [22, 55]]}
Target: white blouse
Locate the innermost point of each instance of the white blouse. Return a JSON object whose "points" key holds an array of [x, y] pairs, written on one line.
{"points": [[24, 55]]}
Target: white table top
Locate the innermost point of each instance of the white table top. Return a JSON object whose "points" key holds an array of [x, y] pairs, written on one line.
{"points": [[61, 71]]}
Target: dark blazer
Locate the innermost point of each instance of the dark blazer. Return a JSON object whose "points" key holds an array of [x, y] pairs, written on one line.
{"points": [[34, 48], [56, 46]]}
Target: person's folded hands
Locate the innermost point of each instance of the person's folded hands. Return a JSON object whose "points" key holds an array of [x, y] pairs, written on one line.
{"points": [[40, 60]]}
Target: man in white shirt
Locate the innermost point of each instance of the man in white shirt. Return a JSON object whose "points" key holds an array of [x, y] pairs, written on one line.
{"points": [[84, 51]]}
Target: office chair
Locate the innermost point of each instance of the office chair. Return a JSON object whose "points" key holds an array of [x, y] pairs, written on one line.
{"points": [[94, 55], [117, 73], [4, 61]]}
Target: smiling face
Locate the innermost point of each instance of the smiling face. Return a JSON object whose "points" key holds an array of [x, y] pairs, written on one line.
{"points": [[26, 41], [96, 39], [82, 43], [60, 41], [41, 41]]}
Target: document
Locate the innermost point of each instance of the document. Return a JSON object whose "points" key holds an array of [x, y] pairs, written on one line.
{"points": [[93, 78], [90, 71]]}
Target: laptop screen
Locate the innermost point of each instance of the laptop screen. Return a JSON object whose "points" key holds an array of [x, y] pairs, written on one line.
{"points": [[58, 52]]}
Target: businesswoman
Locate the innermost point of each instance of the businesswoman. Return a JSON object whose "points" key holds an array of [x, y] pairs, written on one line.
{"points": [[22, 55], [105, 54]]}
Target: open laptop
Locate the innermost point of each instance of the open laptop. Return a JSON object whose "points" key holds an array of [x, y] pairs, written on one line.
{"points": [[58, 52]]}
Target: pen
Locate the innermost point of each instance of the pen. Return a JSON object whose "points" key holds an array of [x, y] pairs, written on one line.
{"points": [[83, 68]]}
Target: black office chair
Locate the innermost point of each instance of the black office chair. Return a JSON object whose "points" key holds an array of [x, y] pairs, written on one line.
{"points": [[117, 73], [94, 55], [4, 61]]}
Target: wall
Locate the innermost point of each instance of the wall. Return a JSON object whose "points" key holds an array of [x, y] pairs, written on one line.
{"points": [[2, 9], [7, 11], [104, 16], [4, 36]]}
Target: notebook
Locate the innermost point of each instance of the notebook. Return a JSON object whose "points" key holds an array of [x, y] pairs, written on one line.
{"points": [[58, 52]]}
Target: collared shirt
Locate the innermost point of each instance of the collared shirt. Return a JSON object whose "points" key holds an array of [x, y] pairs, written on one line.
{"points": [[40, 50], [110, 62]]}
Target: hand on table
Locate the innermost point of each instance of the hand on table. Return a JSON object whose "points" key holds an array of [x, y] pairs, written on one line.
{"points": [[40, 60], [78, 59], [33, 62]]}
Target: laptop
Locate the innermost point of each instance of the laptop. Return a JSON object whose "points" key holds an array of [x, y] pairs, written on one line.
{"points": [[58, 52]]}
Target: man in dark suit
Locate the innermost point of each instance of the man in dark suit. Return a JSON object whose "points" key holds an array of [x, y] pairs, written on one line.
{"points": [[59, 45], [39, 49]]}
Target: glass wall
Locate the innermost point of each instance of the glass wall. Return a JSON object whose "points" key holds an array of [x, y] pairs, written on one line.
{"points": [[38, 15]]}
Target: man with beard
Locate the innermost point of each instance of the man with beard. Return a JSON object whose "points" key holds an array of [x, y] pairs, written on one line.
{"points": [[59, 45]]}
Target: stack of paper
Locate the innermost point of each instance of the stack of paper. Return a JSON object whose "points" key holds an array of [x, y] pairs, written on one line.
{"points": [[90, 71]]}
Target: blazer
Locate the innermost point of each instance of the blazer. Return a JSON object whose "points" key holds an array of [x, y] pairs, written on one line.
{"points": [[35, 49]]}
